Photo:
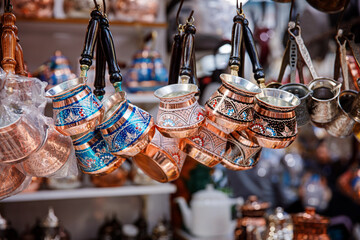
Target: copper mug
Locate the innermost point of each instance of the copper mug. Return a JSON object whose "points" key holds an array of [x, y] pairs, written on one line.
{"points": [[76, 110], [93, 155], [274, 124], [208, 146], [18, 140], [51, 156], [127, 129], [231, 106], [180, 114], [240, 153], [162, 159]]}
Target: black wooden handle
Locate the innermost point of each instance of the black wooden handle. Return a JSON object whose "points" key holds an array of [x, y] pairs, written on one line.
{"points": [[108, 47], [90, 39], [175, 59], [99, 83], [236, 41], [252, 52], [187, 51]]}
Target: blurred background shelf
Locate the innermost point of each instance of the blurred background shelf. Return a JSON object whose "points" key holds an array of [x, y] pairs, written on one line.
{"points": [[81, 193], [70, 21]]}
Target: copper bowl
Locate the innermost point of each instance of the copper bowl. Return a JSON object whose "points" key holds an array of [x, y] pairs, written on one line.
{"points": [[18, 140], [51, 155]]}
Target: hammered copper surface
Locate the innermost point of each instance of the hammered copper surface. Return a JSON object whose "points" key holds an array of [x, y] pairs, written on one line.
{"points": [[10, 179], [161, 159], [51, 156], [18, 140]]}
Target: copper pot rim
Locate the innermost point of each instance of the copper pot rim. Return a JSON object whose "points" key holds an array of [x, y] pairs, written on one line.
{"points": [[166, 177], [117, 99], [66, 87], [351, 92], [278, 93], [108, 169], [301, 85], [12, 125], [252, 89], [322, 79], [232, 166], [191, 89]]}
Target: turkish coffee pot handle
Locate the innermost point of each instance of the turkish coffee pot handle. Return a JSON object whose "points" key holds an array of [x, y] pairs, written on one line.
{"points": [[258, 70], [8, 42], [302, 48], [108, 48], [175, 59], [186, 71], [90, 40], [19, 57], [100, 68], [236, 43]]}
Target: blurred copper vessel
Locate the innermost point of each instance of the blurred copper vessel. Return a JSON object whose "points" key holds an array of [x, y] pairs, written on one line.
{"points": [[50, 156], [180, 114], [76, 109], [162, 159], [241, 153], [116, 178], [274, 124], [10, 179], [18, 140], [127, 129], [93, 155], [309, 225], [34, 8], [328, 6], [208, 146], [231, 106]]}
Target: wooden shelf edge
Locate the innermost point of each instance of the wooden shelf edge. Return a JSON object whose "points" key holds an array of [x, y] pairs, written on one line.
{"points": [[79, 193], [85, 21]]}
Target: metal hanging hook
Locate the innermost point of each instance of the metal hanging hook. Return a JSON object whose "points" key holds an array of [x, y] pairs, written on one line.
{"points": [[190, 19], [178, 13], [96, 5], [104, 6], [239, 8]]}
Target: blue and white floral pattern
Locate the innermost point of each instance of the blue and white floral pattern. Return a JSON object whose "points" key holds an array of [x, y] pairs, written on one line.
{"points": [[77, 111]]}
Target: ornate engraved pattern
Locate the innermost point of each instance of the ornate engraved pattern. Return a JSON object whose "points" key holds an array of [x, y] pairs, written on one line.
{"points": [[241, 154], [129, 132], [229, 108], [171, 146], [96, 157], [181, 117], [274, 127], [210, 142], [77, 111]]}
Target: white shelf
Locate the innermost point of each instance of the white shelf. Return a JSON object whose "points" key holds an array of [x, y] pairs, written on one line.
{"points": [[44, 195]]}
